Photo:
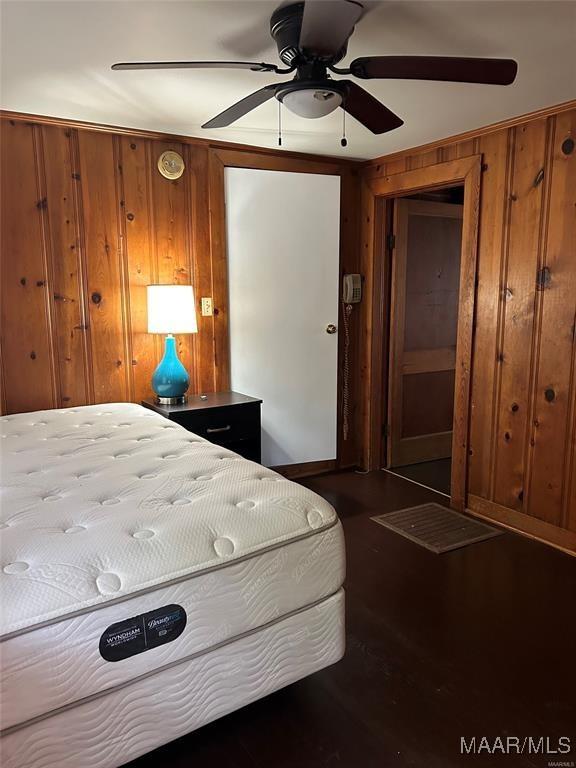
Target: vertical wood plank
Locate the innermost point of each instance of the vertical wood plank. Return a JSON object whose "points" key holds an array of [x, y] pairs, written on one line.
{"points": [[569, 511], [549, 440], [349, 264], [466, 148], [171, 235], [493, 205], [367, 314], [103, 265], [66, 263], [140, 258], [519, 291], [465, 334], [424, 159], [27, 367], [449, 152], [202, 260], [398, 165], [3, 406], [219, 271], [124, 270]]}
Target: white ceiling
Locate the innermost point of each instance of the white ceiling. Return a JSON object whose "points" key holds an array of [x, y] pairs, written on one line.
{"points": [[56, 59]]}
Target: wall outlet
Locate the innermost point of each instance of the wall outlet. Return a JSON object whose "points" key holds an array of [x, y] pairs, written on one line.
{"points": [[206, 303]]}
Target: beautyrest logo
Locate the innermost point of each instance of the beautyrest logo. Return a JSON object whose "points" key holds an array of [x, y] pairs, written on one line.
{"points": [[122, 636], [153, 623]]}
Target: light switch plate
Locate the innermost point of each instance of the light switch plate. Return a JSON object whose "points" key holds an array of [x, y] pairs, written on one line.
{"points": [[206, 304]]}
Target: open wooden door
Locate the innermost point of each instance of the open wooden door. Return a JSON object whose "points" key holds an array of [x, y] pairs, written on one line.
{"points": [[423, 330]]}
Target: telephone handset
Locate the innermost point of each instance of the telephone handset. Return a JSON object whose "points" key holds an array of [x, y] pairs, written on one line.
{"points": [[352, 289], [351, 294]]}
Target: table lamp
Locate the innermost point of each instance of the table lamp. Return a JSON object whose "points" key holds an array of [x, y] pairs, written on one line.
{"points": [[171, 310]]}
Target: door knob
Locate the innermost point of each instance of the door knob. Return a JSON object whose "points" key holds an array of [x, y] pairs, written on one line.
{"points": [[331, 328]]}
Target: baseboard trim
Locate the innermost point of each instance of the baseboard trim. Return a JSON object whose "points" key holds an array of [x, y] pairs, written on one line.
{"points": [[305, 469], [561, 538]]}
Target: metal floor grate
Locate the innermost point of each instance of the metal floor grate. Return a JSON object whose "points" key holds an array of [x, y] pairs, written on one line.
{"points": [[436, 528]]}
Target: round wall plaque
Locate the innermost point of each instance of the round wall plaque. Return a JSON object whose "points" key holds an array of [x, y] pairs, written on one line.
{"points": [[171, 164]]}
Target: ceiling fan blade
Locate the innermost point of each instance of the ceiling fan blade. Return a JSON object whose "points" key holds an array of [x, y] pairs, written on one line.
{"points": [[254, 66], [327, 25], [242, 107], [368, 110], [447, 68]]}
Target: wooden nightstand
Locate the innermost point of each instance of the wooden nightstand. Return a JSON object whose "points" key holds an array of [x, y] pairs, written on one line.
{"points": [[225, 418]]}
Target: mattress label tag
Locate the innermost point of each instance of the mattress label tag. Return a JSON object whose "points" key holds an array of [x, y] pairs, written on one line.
{"points": [[140, 633]]}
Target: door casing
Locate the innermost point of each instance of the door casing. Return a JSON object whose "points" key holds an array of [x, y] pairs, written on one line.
{"points": [[221, 157], [376, 263]]}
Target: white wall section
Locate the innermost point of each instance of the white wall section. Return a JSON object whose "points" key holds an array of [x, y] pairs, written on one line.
{"points": [[283, 260]]}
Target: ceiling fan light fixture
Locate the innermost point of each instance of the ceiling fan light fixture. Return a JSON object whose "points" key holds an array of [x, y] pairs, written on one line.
{"points": [[311, 102]]}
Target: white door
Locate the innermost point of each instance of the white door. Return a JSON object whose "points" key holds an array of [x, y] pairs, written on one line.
{"points": [[283, 261]]}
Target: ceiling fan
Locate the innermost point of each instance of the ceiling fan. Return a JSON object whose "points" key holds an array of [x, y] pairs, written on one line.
{"points": [[312, 37]]}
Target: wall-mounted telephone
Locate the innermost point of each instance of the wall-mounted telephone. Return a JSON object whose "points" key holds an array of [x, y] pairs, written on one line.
{"points": [[352, 289]]}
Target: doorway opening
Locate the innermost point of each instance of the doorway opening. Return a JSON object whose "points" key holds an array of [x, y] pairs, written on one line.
{"points": [[425, 248]]}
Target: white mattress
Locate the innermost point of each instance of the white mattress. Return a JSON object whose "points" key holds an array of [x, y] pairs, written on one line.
{"points": [[110, 512], [105, 732]]}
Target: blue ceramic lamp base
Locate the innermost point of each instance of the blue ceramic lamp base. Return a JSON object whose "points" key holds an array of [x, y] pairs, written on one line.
{"points": [[170, 380]]}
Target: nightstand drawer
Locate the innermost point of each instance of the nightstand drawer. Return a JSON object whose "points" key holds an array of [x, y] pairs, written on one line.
{"points": [[229, 419], [223, 425]]}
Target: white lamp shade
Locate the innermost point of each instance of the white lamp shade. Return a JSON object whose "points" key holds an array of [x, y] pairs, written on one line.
{"points": [[171, 309]]}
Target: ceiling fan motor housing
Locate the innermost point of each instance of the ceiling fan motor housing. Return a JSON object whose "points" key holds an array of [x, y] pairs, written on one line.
{"points": [[285, 28]]}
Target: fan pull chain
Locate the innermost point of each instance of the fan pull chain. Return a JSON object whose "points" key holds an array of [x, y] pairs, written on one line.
{"points": [[344, 140], [279, 123]]}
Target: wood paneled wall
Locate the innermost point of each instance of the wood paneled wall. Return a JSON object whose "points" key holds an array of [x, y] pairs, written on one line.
{"points": [[87, 223], [522, 458]]}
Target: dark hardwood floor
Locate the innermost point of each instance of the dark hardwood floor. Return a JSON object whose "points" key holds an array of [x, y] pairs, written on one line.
{"points": [[434, 474], [480, 641]]}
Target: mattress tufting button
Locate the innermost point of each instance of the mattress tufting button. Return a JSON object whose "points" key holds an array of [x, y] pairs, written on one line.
{"points": [[121, 456], [223, 546], [204, 477], [83, 476], [144, 534], [179, 502], [143, 439], [246, 504], [170, 456], [314, 518], [16, 568], [75, 529], [109, 502], [51, 497], [108, 583], [147, 476]]}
